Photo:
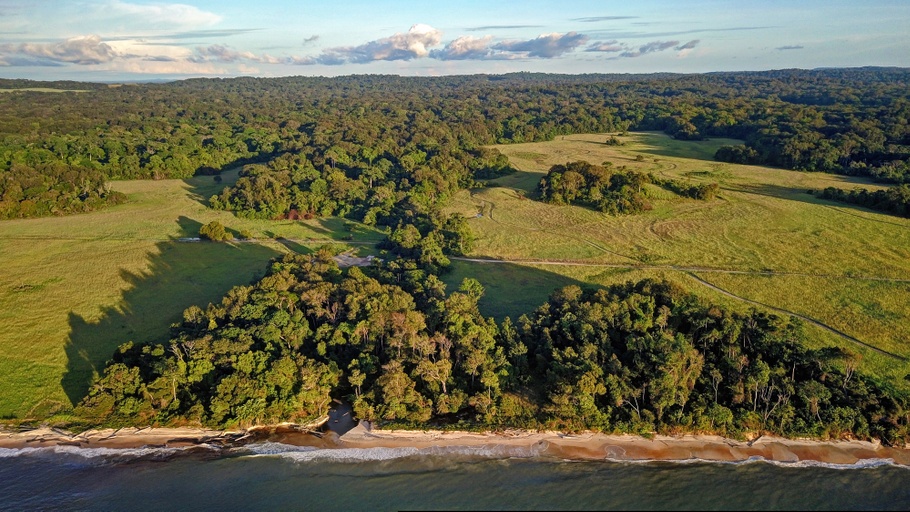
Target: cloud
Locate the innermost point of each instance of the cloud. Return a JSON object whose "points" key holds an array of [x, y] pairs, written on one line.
{"points": [[652, 47], [221, 53], [27, 62], [76, 50], [791, 47], [466, 48], [159, 14], [205, 34], [160, 58], [499, 27], [410, 45], [545, 46], [594, 19], [688, 46], [607, 46], [629, 34], [311, 39]]}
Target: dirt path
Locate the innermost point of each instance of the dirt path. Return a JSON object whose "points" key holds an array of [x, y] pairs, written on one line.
{"points": [[797, 315], [644, 266]]}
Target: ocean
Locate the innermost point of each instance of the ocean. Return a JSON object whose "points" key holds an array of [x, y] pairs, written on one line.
{"points": [[272, 476]]}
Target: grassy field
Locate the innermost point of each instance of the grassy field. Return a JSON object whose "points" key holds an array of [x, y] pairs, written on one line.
{"points": [[764, 240], [74, 288]]}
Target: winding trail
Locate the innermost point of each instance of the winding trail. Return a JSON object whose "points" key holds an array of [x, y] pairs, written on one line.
{"points": [[797, 315], [542, 230], [678, 268]]}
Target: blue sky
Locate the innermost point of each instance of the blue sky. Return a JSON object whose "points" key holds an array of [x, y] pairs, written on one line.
{"points": [[109, 40]]}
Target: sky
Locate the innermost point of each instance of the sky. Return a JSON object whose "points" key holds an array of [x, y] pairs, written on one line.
{"points": [[137, 40]]}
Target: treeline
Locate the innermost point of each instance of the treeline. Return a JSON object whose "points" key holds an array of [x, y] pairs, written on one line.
{"points": [[393, 342], [53, 188], [611, 190], [894, 200], [429, 131]]}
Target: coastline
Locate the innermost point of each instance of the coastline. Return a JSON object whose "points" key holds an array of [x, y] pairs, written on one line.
{"points": [[583, 446]]}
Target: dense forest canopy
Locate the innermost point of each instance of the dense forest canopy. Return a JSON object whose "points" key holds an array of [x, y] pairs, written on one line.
{"points": [[385, 142], [405, 351]]}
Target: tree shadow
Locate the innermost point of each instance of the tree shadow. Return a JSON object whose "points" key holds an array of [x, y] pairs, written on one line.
{"points": [[811, 196], [510, 290], [661, 144], [294, 246], [180, 274], [203, 186]]}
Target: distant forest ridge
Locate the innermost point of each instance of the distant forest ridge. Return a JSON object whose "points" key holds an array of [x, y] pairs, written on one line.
{"points": [[57, 150]]}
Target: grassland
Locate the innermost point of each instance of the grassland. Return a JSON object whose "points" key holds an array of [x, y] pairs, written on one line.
{"points": [[73, 288], [765, 240]]}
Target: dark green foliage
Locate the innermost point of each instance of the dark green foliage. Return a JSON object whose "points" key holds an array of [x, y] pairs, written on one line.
{"points": [[635, 358], [54, 188], [700, 191], [613, 191], [215, 232], [369, 145], [895, 200], [489, 164]]}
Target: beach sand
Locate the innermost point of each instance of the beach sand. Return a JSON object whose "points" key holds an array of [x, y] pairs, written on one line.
{"points": [[585, 446]]}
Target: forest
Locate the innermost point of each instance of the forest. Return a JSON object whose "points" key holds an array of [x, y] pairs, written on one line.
{"points": [[367, 145], [637, 358]]}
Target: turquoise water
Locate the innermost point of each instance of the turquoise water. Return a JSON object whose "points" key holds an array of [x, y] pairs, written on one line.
{"points": [[279, 477]]}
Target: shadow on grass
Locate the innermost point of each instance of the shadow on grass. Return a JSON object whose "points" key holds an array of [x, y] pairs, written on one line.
{"points": [[660, 144], [803, 195], [509, 289], [180, 274]]}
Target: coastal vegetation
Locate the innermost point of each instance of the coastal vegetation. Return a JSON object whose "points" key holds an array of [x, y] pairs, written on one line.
{"points": [[695, 290], [636, 358]]}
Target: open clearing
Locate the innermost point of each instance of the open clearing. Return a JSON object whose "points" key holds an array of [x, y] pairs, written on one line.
{"points": [[764, 240], [74, 288]]}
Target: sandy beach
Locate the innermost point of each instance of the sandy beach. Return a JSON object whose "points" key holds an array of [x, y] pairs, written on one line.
{"points": [[584, 446]]}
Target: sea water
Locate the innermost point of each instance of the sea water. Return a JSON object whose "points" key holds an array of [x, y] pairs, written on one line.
{"points": [[272, 476]]}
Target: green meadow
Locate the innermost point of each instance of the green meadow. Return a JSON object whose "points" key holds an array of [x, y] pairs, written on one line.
{"points": [[74, 288], [765, 242]]}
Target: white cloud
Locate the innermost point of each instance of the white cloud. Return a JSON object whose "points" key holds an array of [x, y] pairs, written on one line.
{"points": [[159, 15], [465, 48], [546, 45], [75, 50], [413, 44], [221, 53]]}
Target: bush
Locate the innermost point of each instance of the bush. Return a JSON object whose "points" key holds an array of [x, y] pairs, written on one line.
{"points": [[215, 232]]}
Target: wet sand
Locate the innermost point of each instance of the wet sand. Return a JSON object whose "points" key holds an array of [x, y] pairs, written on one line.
{"points": [[587, 446]]}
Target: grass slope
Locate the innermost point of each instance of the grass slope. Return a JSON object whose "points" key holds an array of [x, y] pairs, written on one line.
{"points": [[765, 239], [74, 288]]}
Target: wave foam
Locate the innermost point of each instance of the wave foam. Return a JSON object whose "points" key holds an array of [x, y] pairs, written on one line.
{"points": [[306, 453], [860, 464], [93, 453]]}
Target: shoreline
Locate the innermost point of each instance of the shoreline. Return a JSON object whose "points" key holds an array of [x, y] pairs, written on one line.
{"points": [[583, 446]]}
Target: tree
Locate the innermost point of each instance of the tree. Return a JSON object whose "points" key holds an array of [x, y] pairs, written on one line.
{"points": [[215, 232]]}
